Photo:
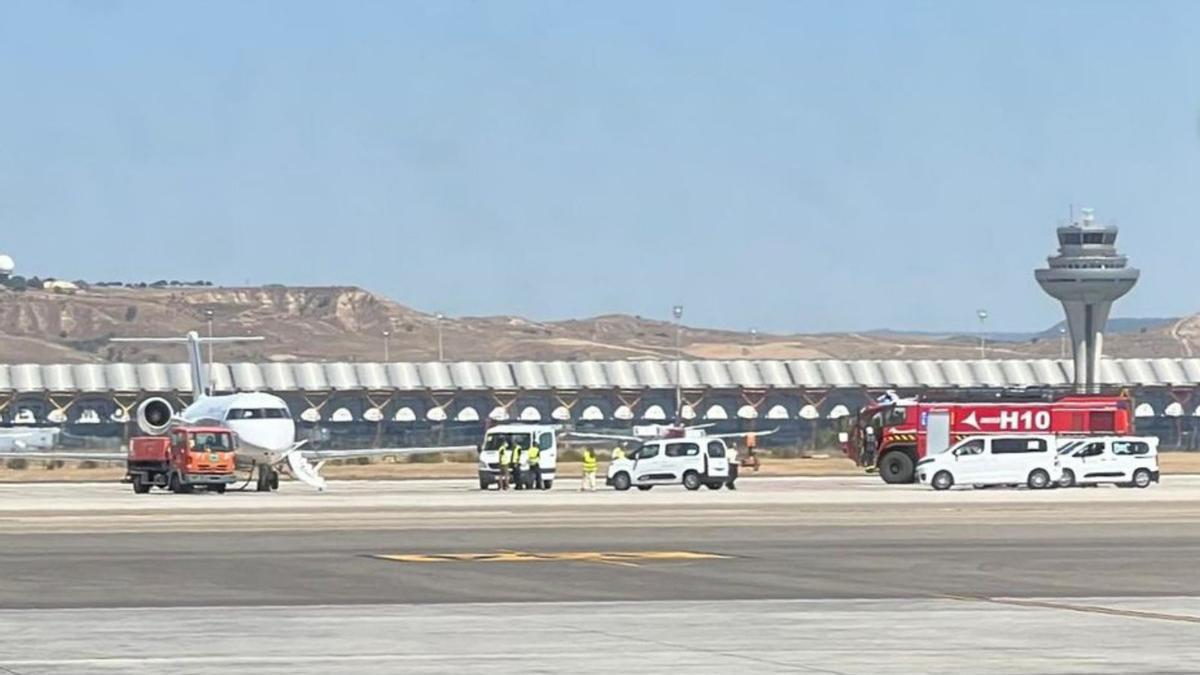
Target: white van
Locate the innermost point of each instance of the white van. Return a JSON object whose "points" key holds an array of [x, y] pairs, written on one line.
{"points": [[994, 460], [518, 434], [690, 461], [1128, 461]]}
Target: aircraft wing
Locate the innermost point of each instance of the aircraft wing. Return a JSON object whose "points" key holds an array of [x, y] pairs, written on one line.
{"points": [[324, 455], [588, 436], [65, 455], [742, 434]]}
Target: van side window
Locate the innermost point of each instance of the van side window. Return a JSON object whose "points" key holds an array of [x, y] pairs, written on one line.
{"points": [[647, 452], [545, 440], [716, 449], [683, 450], [1011, 446], [974, 447], [1130, 448]]}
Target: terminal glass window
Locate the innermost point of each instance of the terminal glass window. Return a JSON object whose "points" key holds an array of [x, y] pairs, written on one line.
{"points": [[1010, 446]]}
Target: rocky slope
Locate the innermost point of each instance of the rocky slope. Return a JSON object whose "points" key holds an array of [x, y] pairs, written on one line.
{"points": [[348, 324]]}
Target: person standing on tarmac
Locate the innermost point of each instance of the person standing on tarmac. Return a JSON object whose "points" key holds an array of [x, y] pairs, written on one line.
{"points": [[589, 470], [535, 466], [618, 452], [524, 476], [514, 466], [502, 473], [732, 456]]}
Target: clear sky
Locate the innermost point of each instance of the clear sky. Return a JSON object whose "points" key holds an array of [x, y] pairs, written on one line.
{"points": [[790, 166]]}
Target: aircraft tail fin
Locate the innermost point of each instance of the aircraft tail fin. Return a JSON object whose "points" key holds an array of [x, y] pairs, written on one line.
{"points": [[201, 376]]}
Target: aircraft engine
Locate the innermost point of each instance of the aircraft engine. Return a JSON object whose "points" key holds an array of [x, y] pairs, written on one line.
{"points": [[154, 416]]}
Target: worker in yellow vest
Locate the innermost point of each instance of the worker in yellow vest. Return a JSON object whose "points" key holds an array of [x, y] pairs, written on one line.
{"points": [[589, 470], [618, 452], [502, 464], [535, 467], [514, 465]]}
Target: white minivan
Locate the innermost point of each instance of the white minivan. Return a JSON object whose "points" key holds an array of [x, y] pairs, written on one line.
{"points": [[690, 461], [994, 460], [1128, 461]]}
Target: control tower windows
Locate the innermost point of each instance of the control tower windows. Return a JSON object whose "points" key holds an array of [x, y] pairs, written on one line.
{"points": [[1093, 237], [1070, 238]]}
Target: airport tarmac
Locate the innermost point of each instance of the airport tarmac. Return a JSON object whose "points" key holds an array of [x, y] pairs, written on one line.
{"points": [[784, 575]]}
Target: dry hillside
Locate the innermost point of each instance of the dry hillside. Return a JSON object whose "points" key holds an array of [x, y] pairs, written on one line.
{"points": [[348, 324]]}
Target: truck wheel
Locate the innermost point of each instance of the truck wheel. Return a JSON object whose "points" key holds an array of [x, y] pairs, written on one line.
{"points": [[1068, 479], [645, 488], [219, 488], [942, 480], [1141, 478], [1038, 480], [896, 467], [547, 484], [691, 480], [713, 485], [139, 486], [178, 486], [274, 480], [621, 481]]}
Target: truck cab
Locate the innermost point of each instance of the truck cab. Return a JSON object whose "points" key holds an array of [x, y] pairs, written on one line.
{"points": [[186, 458], [518, 435], [690, 461]]}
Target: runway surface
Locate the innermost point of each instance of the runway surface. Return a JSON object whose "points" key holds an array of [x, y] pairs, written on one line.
{"points": [[785, 575]]}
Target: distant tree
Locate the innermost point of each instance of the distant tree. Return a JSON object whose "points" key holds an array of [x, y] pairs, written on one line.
{"points": [[161, 283]]}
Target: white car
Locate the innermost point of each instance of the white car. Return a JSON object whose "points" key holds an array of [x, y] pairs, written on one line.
{"points": [[690, 461], [1124, 460], [994, 460]]}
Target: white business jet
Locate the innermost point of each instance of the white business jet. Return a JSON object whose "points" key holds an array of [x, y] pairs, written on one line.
{"points": [[263, 424]]}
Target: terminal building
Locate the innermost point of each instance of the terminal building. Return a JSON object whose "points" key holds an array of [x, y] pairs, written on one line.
{"points": [[340, 404]]}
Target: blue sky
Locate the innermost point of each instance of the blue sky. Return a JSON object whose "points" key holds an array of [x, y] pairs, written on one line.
{"points": [[791, 166]]}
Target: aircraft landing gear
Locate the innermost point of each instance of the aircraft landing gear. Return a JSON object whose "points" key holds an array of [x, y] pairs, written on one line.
{"points": [[268, 478]]}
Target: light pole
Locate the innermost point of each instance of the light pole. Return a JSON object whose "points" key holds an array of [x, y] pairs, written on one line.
{"points": [[983, 315], [753, 336], [208, 386], [441, 351], [1062, 342], [387, 335], [677, 312]]}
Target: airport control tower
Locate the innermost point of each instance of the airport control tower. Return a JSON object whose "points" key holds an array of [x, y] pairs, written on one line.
{"points": [[1087, 275]]}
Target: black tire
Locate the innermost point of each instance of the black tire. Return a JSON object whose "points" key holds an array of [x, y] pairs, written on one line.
{"points": [[139, 486], [547, 484], [263, 483], [896, 467], [1038, 480], [274, 480], [713, 485], [1068, 479], [219, 488], [644, 488], [621, 481], [691, 480], [178, 486], [1141, 478], [942, 480], [484, 483]]}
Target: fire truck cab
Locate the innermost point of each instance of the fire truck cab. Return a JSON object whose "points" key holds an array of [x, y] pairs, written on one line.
{"points": [[894, 433]]}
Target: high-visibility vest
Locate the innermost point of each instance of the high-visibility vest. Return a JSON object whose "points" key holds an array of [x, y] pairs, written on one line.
{"points": [[515, 458], [504, 454], [535, 454], [618, 453], [589, 461]]}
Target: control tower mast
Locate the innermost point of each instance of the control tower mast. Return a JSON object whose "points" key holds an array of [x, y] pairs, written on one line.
{"points": [[1087, 275]]}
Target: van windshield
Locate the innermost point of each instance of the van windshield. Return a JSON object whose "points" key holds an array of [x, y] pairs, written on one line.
{"points": [[494, 441], [1066, 449]]}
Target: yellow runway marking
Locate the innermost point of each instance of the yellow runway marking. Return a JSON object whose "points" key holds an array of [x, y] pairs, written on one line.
{"points": [[626, 558]]}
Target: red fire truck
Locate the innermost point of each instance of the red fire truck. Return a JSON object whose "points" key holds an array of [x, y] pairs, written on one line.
{"points": [[894, 433]]}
